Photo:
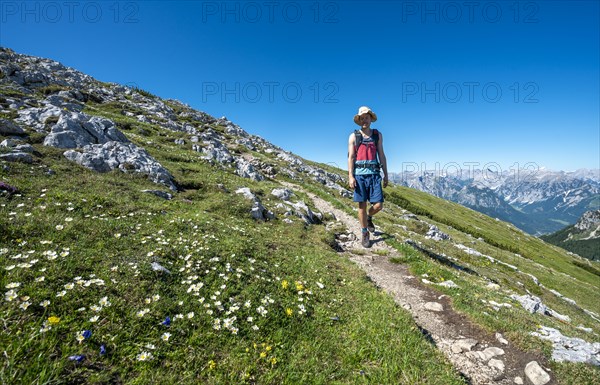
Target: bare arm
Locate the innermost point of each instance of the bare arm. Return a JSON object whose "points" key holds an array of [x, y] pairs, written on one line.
{"points": [[351, 160], [382, 160]]}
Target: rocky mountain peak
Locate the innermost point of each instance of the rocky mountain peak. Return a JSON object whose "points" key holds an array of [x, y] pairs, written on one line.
{"points": [[88, 119]]}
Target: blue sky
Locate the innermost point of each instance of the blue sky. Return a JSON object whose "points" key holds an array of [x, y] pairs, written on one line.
{"points": [[492, 82]]}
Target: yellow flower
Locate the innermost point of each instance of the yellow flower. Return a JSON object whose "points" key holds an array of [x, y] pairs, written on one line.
{"points": [[285, 284], [263, 354], [299, 285], [53, 320], [212, 364], [289, 312], [268, 348], [273, 361]]}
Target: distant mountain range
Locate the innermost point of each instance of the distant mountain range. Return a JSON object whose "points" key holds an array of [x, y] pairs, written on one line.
{"points": [[538, 202]]}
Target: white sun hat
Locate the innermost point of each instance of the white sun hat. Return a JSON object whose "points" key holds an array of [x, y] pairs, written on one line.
{"points": [[364, 110]]}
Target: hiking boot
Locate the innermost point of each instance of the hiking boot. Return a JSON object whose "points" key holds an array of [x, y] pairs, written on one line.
{"points": [[370, 225], [366, 242]]}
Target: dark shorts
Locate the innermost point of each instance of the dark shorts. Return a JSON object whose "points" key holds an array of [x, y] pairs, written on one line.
{"points": [[368, 188]]}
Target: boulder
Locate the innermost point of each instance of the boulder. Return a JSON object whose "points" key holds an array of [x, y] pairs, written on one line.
{"points": [[536, 374], [22, 157], [76, 130], [126, 157], [8, 127]]}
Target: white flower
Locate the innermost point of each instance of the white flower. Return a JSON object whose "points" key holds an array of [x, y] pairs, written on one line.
{"points": [[254, 327], [144, 356], [68, 219], [321, 286], [104, 301], [13, 285], [40, 279], [10, 295], [190, 315], [155, 297], [59, 227], [94, 318], [45, 303], [95, 308], [24, 305], [61, 293], [165, 337]]}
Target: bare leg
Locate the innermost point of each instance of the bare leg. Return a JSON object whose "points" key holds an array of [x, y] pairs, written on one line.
{"points": [[375, 208], [362, 214]]}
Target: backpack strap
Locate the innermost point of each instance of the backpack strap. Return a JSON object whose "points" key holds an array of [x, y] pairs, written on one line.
{"points": [[357, 139]]}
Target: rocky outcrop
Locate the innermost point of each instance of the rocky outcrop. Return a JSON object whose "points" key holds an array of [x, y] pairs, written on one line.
{"points": [[588, 221], [568, 348], [125, 157], [75, 130]]}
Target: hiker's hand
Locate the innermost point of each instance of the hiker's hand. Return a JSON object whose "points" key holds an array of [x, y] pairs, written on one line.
{"points": [[352, 182], [385, 181]]}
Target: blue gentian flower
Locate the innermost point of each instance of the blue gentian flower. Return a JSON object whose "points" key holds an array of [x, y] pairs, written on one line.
{"points": [[77, 358], [102, 349], [167, 321], [87, 334]]}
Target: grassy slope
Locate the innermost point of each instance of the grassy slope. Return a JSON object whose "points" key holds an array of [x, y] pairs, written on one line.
{"points": [[117, 231], [350, 332]]}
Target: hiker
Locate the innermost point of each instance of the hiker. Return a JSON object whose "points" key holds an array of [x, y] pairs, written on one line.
{"points": [[366, 159]]}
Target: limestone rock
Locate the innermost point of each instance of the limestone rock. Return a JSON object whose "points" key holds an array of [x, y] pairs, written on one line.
{"points": [[282, 193], [463, 345], [8, 127], [536, 374], [434, 306], [17, 157], [76, 130], [126, 157]]}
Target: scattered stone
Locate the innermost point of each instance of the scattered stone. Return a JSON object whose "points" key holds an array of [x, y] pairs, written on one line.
{"points": [[587, 330], [246, 170], [282, 193], [258, 211], [22, 157], [435, 234], [448, 283], [24, 148], [536, 374], [500, 338], [8, 127], [434, 306], [492, 352], [9, 143], [496, 364], [534, 304], [180, 141], [463, 345], [477, 355], [158, 267], [518, 381]]}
